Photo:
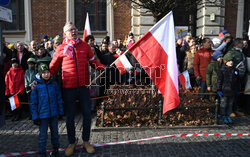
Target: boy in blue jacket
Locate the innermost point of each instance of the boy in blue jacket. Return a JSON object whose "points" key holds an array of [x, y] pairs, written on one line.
{"points": [[46, 105]]}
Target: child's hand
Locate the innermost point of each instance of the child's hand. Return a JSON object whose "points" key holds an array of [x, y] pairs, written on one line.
{"points": [[209, 88], [220, 93], [33, 85]]}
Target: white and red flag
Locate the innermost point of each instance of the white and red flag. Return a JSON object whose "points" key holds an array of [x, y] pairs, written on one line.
{"points": [[185, 80], [156, 53], [87, 30], [14, 102], [123, 64]]}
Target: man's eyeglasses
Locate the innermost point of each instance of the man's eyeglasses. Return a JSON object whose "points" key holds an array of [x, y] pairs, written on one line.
{"points": [[72, 29]]}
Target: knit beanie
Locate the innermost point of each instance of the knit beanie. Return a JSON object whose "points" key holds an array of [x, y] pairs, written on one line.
{"points": [[227, 58], [11, 46], [57, 37], [224, 32], [45, 36], [14, 60], [216, 55], [31, 60], [42, 68]]}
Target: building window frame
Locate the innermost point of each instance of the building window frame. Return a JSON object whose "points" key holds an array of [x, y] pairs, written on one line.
{"points": [[18, 25], [97, 15]]}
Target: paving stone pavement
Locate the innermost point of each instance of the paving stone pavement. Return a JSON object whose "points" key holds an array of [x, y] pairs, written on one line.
{"points": [[22, 136]]}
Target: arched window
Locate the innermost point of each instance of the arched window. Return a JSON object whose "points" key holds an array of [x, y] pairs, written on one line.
{"points": [[97, 14], [17, 7]]}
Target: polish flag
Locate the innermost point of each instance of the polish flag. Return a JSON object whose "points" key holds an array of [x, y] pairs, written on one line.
{"points": [[185, 80], [86, 28], [123, 64], [156, 53], [14, 102]]}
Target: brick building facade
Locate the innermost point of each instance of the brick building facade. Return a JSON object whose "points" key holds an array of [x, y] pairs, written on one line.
{"points": [[231, 8], [46, 16], [122, 20]]}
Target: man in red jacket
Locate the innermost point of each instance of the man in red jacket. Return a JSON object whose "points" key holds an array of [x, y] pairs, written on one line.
{"points": [[201, 60], [74, 55]]}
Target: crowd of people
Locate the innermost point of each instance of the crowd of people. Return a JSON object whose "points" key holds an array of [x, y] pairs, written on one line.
{"points": [[42, 73], [220, 65]]}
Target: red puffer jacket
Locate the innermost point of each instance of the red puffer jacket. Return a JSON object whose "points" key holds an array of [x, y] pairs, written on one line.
{"points": [[201, 60], [75, 70], [14, 81]]}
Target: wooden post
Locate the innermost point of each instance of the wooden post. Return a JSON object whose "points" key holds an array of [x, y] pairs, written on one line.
{"points": [[103, 112], [160, 112], [216, 111]]}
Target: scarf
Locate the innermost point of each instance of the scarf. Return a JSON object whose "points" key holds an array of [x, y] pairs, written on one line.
{"points": [[69, 48], [18, 56]]}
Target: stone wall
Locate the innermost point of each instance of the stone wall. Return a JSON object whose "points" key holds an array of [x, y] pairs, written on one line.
{"points": [[205, 25], [142, 21]]}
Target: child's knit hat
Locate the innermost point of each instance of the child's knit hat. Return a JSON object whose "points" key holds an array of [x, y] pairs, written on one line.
{"points": [[31, 60], [227, 58], [11, 46], [14, 60], [42, 68], [45, 36]]}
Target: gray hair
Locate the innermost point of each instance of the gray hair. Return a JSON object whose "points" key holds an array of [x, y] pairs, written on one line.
{"points": [[19, 43], [65, 26]]}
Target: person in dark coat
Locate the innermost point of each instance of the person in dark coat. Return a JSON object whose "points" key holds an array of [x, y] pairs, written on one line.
{"points": [[181, 54], [112, 74], [95, 87], [228, 85], [42, 57], [22, 55]]}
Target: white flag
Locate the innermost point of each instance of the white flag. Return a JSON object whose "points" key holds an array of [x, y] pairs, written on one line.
{"points": [[87, 30]]}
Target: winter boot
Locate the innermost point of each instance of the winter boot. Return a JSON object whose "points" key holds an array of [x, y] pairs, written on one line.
{"points": [[88, 147], [224, 120], [232, 114], [71, 148], [229, 119]]}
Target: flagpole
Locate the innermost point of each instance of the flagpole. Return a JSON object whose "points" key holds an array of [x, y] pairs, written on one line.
{"points": [[104, 71]]}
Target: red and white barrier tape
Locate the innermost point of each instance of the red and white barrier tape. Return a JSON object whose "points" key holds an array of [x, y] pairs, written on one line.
{"points": [[131, 141]]}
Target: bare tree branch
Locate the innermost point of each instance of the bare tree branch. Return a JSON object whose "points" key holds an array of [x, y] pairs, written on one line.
{"points": [[159, 8]]}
